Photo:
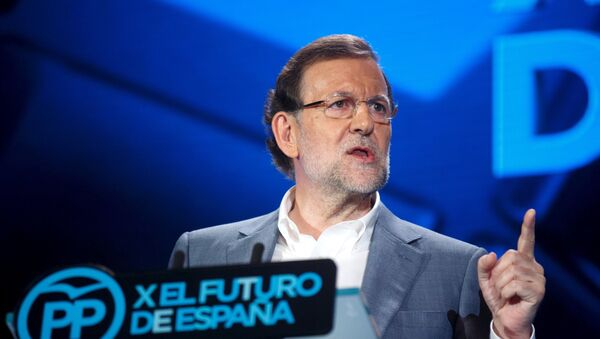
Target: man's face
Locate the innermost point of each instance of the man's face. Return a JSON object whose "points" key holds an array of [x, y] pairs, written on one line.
{"points": [[344, 155]]}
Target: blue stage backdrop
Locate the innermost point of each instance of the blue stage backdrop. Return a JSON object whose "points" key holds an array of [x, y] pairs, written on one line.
{"points": [[125, 123]]}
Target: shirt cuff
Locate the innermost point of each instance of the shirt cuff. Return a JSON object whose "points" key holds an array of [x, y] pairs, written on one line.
{"points": [[493, 334]]}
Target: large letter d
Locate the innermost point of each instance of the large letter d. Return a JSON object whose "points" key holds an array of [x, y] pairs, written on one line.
{"points": [[517, 150]]}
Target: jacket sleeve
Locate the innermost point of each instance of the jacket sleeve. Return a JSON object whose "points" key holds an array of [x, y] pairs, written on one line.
{"points": [[474, 317], [180, 254]]}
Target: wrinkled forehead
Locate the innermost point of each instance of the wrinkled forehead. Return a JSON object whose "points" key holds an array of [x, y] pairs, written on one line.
{"points": [[360, 77]]}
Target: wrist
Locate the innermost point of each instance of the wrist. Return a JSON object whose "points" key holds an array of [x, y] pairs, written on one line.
{"points": [[505, 333]]}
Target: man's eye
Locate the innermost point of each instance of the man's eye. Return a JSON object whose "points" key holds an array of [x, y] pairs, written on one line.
{"points": [[340, 104], [378, 107]]}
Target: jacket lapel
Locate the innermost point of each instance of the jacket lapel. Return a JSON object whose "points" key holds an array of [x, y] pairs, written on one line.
{"points": [[392, 268], [264, 230]]}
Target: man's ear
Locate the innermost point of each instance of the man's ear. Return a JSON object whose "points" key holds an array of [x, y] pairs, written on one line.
{"points": [[284, 128]]}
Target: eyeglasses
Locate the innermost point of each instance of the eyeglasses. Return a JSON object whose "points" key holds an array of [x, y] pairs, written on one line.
{"points": [[344, 106]]}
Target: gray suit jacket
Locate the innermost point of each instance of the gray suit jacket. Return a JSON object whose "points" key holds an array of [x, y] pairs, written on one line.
{"points": [[417, 283]]}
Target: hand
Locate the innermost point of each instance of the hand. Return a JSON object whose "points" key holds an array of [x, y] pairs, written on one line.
{"points": [[514, 285]]}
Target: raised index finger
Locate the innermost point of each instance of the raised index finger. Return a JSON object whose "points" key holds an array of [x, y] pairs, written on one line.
{"points": [[527, 237]]}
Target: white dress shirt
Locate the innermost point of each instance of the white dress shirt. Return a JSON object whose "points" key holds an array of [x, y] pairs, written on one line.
{"points": [[346, 243]]}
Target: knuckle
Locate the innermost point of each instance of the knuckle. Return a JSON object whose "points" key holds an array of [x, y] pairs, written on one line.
{"points": [[514, 284], [521, 257], [495, 271], [540, 269], [541, 291], [512, 270]]}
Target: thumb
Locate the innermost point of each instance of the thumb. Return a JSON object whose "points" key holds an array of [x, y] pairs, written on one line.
{"points": [[485, 265]]}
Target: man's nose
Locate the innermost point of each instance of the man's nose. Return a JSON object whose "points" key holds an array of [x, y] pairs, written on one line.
{"points": [[362, 122]]}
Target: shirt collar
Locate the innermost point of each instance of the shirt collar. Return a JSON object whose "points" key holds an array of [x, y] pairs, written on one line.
{"points": [[290, 233]]}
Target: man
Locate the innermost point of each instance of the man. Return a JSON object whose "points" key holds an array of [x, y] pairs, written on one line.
{"points": [[330, 117]]}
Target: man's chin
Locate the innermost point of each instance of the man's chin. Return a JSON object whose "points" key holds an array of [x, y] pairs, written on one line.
{"points": [[366, 186]]}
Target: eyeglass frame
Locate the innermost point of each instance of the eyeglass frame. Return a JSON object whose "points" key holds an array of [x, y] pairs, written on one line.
{"points": [[322, 104]]}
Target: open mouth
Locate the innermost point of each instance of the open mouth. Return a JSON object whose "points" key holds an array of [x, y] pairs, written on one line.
{"points": [[362, 153]]}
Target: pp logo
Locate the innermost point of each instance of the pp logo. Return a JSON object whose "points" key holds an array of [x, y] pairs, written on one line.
{"points": [[72, 303]]}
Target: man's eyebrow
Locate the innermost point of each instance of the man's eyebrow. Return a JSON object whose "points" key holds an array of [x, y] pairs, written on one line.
{"points": [[342, 94], [350, 94], [380, 97]]}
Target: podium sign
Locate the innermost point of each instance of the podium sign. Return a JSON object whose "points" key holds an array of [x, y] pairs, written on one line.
{"points": [[283, 299]]}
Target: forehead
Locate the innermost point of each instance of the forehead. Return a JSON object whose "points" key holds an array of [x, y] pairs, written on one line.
{"points": [[359, 76]]}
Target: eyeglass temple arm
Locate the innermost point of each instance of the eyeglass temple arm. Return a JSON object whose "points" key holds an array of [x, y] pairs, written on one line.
{"points": [[314, 104]]}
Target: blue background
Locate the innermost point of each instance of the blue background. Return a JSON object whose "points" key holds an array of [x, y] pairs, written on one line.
{"points": [[126, 123]]}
